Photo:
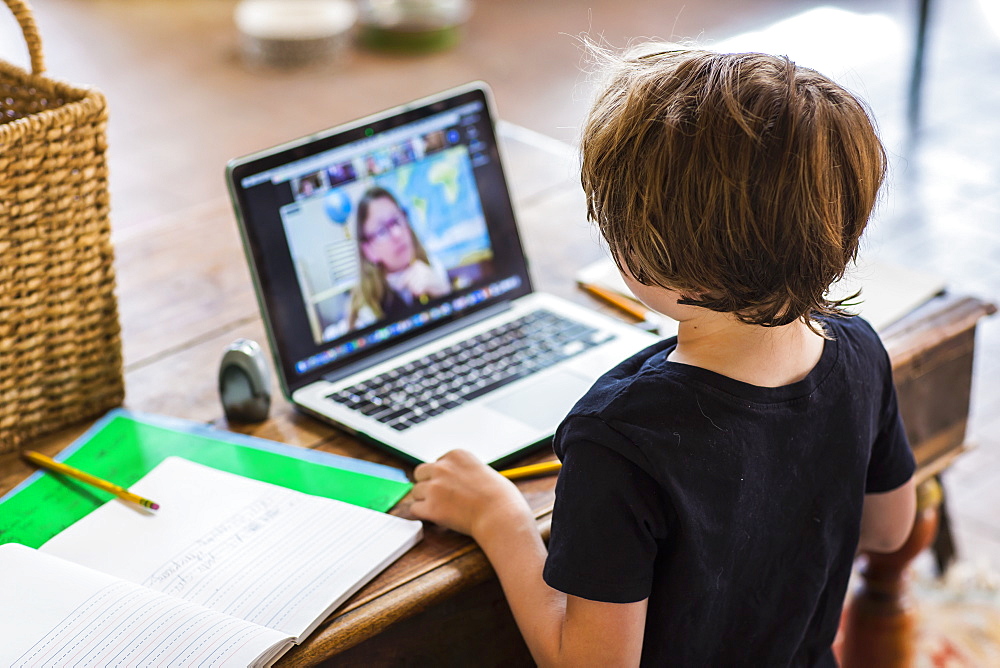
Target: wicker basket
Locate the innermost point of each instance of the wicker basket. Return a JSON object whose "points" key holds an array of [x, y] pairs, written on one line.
{"points": [[60, 345]]}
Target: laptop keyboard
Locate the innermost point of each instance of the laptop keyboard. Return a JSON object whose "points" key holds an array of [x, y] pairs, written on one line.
{"points": [[416, 391]]}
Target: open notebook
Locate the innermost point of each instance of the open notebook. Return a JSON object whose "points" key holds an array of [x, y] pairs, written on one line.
{"points": [[231, 572]]}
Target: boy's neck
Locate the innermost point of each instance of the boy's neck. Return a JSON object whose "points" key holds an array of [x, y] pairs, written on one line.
{"points": [[763, 356]]}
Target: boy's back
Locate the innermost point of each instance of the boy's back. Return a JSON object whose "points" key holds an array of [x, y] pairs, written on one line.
{"points": [[734, 508], [715, 487]]}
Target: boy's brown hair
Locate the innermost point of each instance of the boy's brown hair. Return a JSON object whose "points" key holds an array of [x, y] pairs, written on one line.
{"points": [[742, 181]]}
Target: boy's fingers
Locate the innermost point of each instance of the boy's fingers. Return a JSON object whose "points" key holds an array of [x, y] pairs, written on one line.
{"points": [[459, 457], [419, 499], [426, 470], [418, 509], [423, 472], [425, 509]]}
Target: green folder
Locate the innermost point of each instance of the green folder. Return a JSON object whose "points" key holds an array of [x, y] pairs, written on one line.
{"points": [[123, 446]]}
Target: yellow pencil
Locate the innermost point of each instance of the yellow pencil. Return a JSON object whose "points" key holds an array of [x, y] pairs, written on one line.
{"points": [[545, 468], [82, 476], [622, 302]]}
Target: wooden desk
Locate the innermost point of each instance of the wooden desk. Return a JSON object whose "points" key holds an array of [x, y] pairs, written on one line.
{"points": [[185, 293]]}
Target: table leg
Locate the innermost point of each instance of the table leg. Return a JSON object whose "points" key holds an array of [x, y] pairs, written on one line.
{"points": [[943, 546], [917, 65], [880, 620]]}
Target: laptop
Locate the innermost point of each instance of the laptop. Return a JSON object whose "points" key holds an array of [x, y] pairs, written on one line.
{"points": [[395, 291]]}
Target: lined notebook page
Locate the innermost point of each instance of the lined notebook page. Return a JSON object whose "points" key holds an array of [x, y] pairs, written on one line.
{"points": [[54, 613], [260, 552]]}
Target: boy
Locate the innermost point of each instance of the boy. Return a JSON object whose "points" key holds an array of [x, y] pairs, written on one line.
{"points": [[717, 486]]}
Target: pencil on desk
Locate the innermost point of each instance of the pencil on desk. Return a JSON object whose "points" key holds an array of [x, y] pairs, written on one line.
{"points": [[626, 304], [83, 476], [544, 468]]}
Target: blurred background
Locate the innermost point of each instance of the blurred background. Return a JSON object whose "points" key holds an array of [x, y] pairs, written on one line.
{"points": [[186, 94]]}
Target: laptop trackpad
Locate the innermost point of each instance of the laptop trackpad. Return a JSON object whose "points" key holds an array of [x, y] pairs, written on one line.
{"points": [[543, 403]]}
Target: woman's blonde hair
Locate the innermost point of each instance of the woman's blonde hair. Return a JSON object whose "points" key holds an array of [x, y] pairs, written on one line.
{"points": [[372, 286], [743, 181]]}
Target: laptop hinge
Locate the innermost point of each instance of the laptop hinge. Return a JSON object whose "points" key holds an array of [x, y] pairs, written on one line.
{"points": [[416, 342]]}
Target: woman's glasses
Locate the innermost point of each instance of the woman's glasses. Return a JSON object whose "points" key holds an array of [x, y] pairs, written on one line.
{"points": [[383, 231]]}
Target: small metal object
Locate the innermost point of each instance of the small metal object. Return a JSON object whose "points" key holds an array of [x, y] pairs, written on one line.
{"points": [[244, 382]]}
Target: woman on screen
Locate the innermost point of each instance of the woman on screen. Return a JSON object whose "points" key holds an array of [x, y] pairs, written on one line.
{"points": [[396, 272]]}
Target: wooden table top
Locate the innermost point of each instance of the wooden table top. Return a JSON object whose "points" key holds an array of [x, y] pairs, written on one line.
{"points": [[185, 293]]}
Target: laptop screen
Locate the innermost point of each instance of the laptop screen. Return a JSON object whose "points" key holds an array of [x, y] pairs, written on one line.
{"points": [[373, 233]]}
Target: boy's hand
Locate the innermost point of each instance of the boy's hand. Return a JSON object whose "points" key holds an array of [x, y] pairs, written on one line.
{"points": [[461, 493]]}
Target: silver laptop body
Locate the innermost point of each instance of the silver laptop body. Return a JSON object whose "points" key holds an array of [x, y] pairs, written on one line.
{"points": [[337, 225]]}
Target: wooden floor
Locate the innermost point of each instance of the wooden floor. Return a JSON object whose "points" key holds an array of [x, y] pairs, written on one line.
{"points": [[182, 103]]}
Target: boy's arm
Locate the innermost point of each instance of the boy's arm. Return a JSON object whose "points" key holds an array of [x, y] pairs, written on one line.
{"points": [[459, 492], [887, 519]]}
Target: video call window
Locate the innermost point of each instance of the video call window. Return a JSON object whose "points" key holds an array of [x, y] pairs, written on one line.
{"points": [[341, 173], [407, 231], [309, 185]]}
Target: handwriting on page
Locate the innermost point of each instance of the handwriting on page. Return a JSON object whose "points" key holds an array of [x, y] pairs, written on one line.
{"points": [[125, 625], [232, 567]]}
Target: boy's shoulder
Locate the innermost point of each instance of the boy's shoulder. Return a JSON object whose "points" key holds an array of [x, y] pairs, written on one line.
{"points": [[630, 396], [858, 341], [647, 380], [647, 400], [853, 325], [631, 383]]}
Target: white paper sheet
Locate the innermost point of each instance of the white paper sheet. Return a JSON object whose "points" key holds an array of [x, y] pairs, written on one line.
{"points": [[264, 553], [54, 613]]}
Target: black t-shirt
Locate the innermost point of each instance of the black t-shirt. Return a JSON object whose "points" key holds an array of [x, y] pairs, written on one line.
{"points": [[734, 508]]}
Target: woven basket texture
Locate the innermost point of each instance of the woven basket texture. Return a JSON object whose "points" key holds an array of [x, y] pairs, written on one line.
{"points": [[60, 345]]}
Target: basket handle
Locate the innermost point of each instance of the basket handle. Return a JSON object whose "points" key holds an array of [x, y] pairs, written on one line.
{"points": [[25, 18]]}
